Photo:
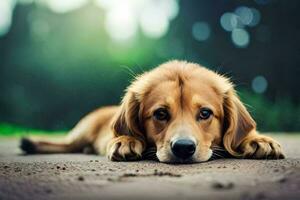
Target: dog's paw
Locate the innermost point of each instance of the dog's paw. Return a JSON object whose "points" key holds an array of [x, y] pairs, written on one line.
{"points": [[261, 147], [27, 146], [124, 148]]}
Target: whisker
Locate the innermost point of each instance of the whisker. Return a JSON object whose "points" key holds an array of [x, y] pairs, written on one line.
{"points": [[129, 71], [213, 157], [218, 155], [220, 152], [140, 68], [150, 149], [217, 146], [150, 153], [218, 149], [150, 157]]}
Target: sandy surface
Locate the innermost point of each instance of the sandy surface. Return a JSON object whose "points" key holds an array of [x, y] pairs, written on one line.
{"points": [[78, 176]]}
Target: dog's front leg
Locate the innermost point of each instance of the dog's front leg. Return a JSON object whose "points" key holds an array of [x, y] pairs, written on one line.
{"points": [[125, 148]]}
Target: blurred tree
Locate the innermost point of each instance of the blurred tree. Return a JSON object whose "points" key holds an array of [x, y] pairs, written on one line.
{"points": [[56, 67]]}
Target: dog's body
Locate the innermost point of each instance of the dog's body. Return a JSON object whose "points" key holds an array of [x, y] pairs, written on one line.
{"points": [[180, 111]]}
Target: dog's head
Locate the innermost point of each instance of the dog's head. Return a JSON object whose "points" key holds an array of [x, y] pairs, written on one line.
{"points": [[184, 110]]}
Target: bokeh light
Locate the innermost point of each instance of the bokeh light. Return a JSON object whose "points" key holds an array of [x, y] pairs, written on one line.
{"points": [[229, 21], [121, 22], [153, 17], [170, 7], [123, 18], [244, 14], [6, 9], [255, 17], [236, 22], [201, 31], [63, 6], [240, 37], [106, 4], [259, 84], [154, 21]]}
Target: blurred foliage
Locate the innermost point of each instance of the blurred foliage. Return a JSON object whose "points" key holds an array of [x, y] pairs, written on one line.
{"points": [[55, 68], [17, 131], [280, 115]]}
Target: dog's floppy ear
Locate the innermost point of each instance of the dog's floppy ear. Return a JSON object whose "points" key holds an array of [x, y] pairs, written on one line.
{"points": [[238, 123], [127, 121]]}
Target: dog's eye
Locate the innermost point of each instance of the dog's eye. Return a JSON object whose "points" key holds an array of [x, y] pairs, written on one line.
{"points": [[204, 113], [161, 114]]}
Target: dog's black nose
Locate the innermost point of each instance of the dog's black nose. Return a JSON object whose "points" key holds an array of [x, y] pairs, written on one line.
{"points": [[183, 148]]}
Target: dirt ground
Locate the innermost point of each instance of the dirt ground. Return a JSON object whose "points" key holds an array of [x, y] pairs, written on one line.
{"points": [[76, 176]]}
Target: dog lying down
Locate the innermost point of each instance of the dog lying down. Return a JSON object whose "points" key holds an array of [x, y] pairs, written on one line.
{"points": [[179, 112]]}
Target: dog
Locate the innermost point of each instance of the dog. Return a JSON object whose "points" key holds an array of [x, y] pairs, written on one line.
{"points": [[179, 112]]}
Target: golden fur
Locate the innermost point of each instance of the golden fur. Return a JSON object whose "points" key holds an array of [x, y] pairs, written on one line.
{"points": [[125, 132]]}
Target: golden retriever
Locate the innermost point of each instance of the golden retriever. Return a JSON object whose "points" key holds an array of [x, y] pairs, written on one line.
{"points": [[179, 112]]}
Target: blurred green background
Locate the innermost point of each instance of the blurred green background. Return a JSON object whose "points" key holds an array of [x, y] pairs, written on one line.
{"points": [[60, 59]]}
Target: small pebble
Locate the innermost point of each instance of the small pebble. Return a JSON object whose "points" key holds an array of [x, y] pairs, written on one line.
{"points": [[110, 179], [129, 175], [218, 185], [18, 169], [113, 179], [282, 180], [157, 173], [80, 178], [48, 191]]}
